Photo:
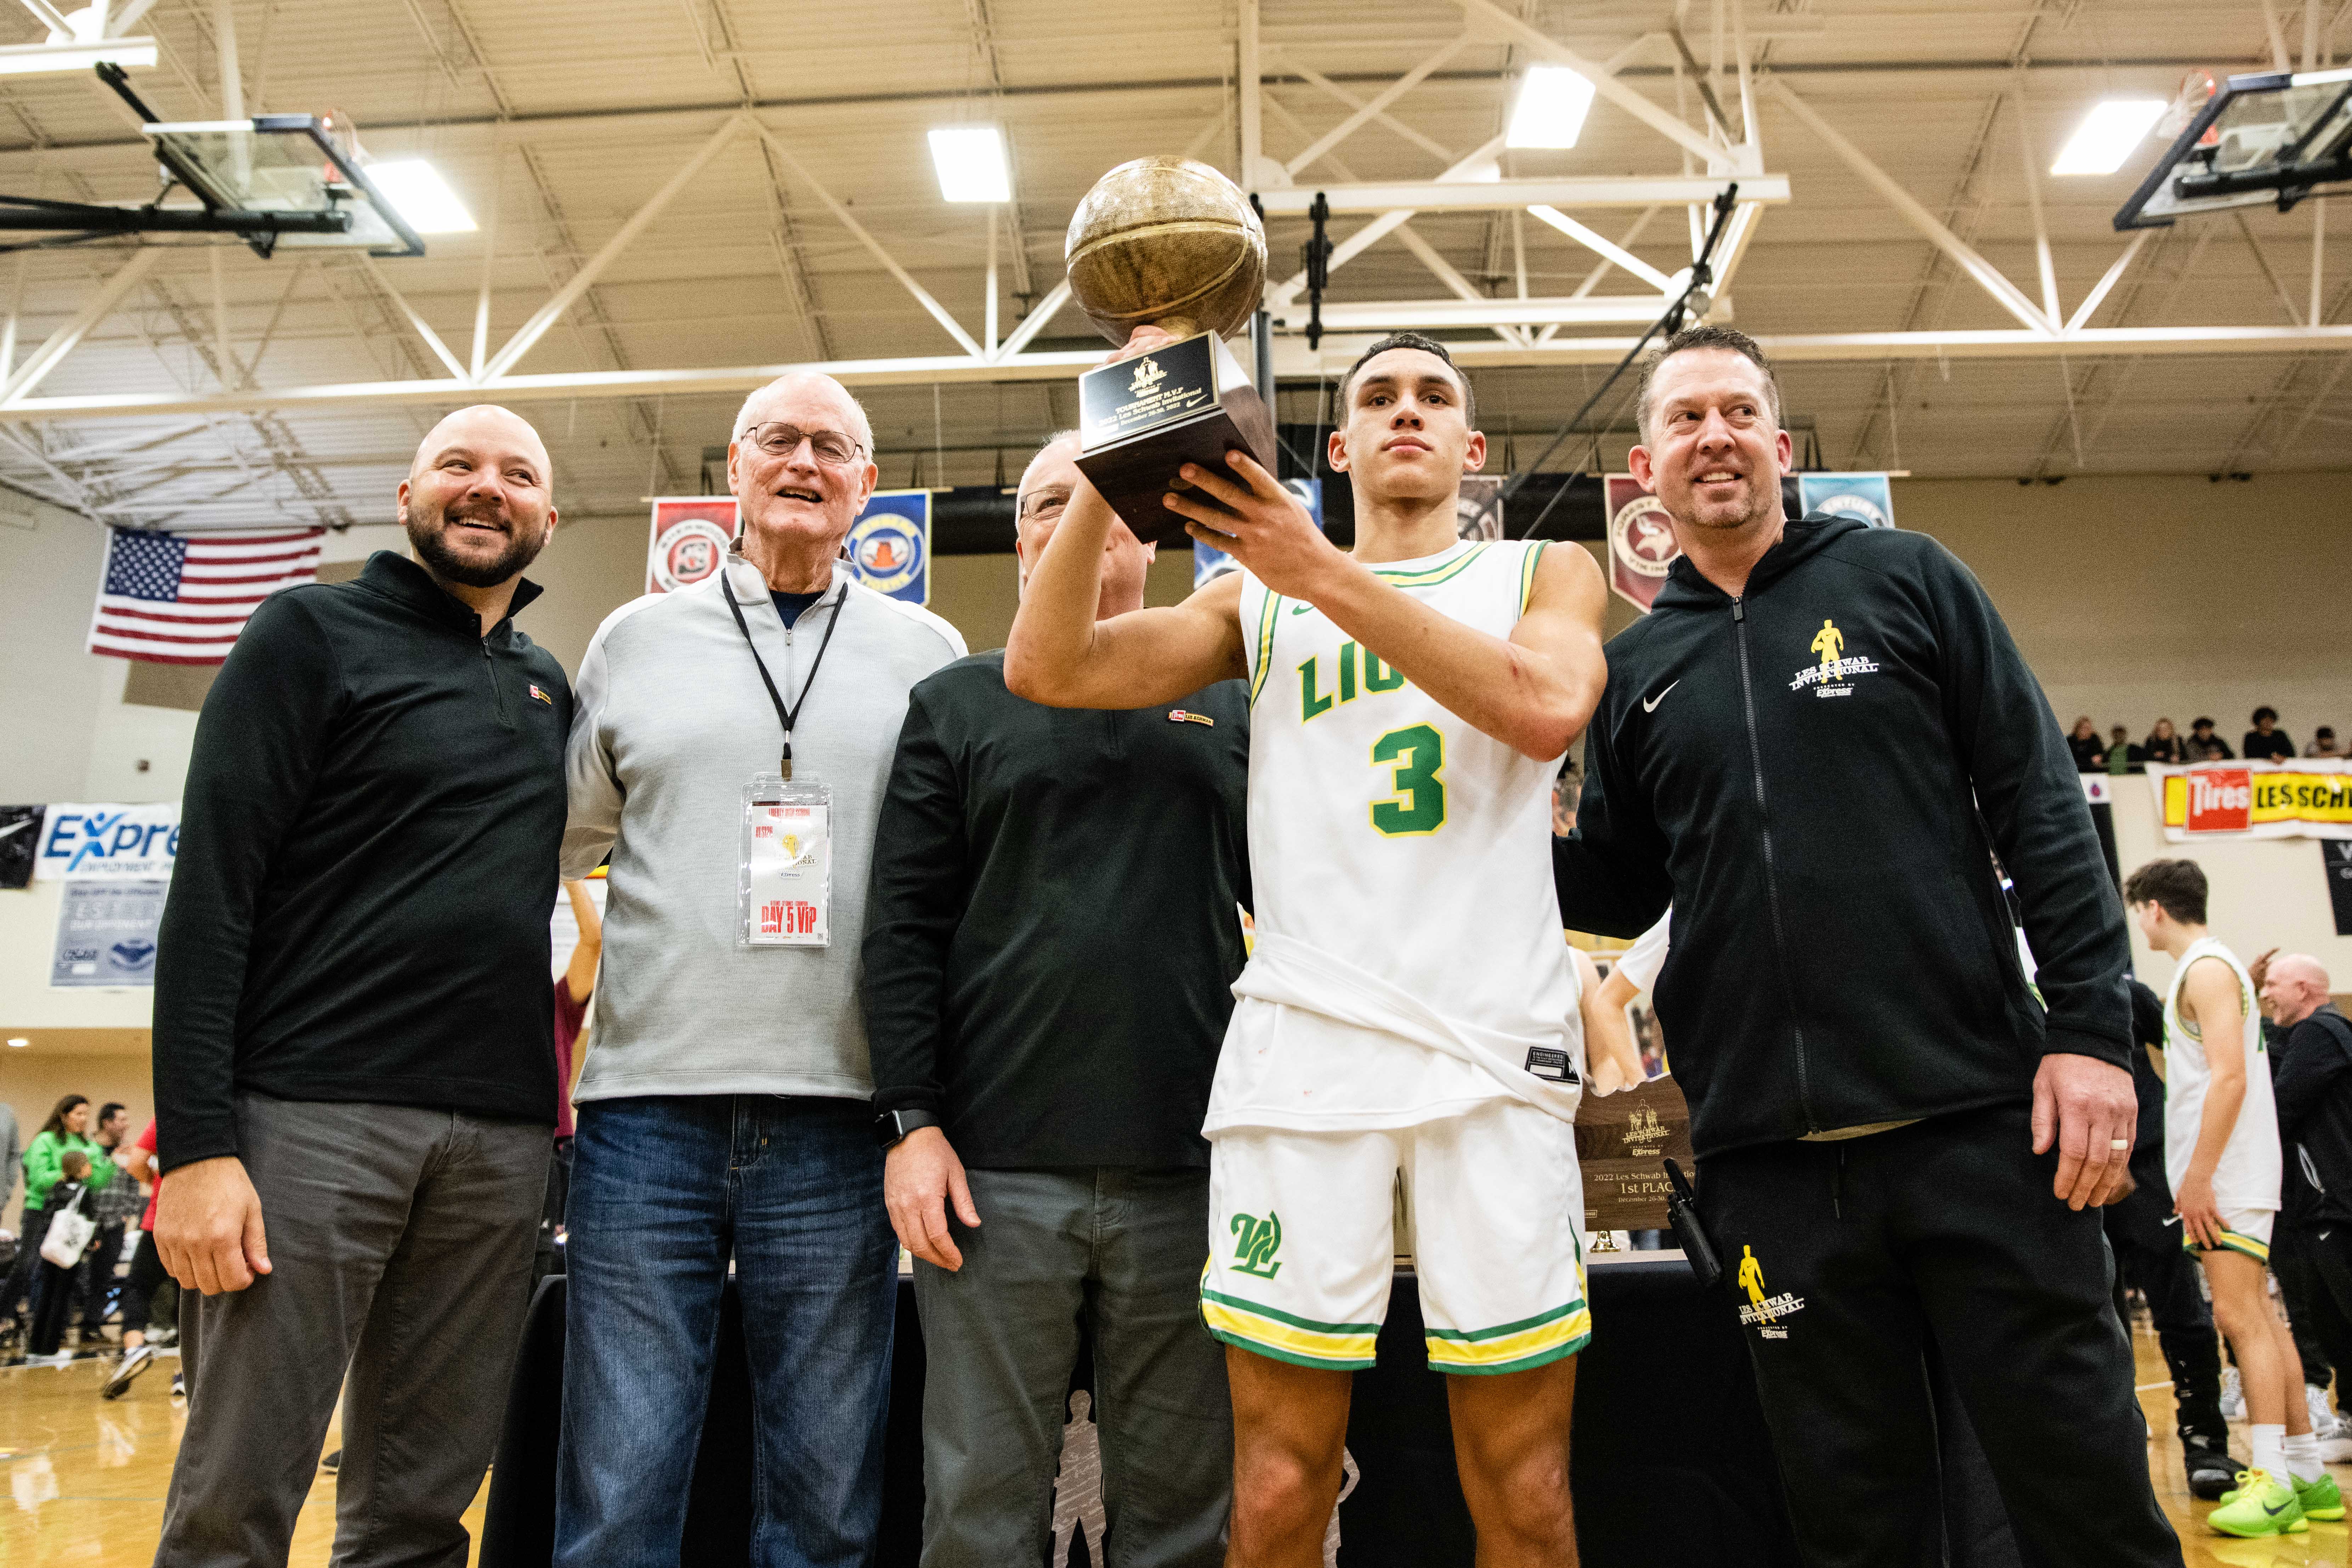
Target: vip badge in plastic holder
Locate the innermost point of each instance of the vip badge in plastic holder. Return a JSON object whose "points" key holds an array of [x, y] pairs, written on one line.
{"points": [[786, 869]]}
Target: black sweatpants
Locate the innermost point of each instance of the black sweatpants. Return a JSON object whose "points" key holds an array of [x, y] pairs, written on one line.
{"points": [[1852, 1261], [2321, 1337], [2149, 1254]]}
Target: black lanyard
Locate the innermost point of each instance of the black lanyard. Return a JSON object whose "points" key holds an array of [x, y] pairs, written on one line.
{"points": [[786, 715]]}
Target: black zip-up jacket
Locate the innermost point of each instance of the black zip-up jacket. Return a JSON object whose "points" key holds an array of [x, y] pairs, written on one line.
{"points": [[1051, 938], [2312, 1076], [1812, 774], [359, 911]]}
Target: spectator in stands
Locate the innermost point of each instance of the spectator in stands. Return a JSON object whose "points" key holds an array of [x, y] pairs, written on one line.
{"points": [[139, 1288], [2266, 742], [2089, 752], [2123, 757], [67, 1129], [2204, 746], [2164, 745], [2322, 744], [118, 1203], [53, 1297]]}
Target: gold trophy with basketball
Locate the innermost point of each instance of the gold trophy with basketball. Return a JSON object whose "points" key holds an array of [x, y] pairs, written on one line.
{"points": [[1173, 244]]}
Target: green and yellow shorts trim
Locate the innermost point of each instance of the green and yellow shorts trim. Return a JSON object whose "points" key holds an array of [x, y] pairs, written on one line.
{"points": [[1348, 1347], [1512, 1347], [2241, 1231], [1286, 1336]]}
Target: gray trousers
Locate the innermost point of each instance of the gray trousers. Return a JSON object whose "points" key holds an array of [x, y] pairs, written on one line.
{"points": [[1123, 1249], [400, 1244]]}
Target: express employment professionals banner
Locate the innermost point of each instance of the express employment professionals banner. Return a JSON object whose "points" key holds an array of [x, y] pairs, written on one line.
{"points": [[83, 843], [2308, 799]]}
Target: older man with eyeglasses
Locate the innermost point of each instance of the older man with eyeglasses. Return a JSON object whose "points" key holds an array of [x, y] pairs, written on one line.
{"points": [[729, 751]]}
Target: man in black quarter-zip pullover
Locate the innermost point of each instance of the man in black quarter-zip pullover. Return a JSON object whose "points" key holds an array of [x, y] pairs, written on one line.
{"points": [[1808, 746], [354, 1062]]}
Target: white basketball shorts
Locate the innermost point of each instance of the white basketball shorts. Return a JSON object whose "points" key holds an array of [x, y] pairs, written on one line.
{"points": [[1302, 1242]]}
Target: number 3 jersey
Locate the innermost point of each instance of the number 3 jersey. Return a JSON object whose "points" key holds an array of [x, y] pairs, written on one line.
{"points": [[1409, 962]]}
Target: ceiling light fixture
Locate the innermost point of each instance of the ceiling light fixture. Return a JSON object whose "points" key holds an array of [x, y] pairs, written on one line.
{"points": [[417, 188], [1553, 103], [2107, 136], [970, 162]]}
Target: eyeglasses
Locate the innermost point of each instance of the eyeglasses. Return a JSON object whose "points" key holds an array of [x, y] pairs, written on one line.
{"points": [[781, 440], [1040, 503]]}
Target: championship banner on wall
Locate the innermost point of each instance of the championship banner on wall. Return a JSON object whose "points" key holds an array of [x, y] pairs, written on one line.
{"points": [[1642, 547], [1866, 498], [2305, 799], [690, 536], [108, 843], [890, 545]]}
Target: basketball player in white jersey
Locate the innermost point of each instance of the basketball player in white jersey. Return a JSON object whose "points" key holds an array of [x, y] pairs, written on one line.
{"points": [[1410, 1007], [2221, 1156]]}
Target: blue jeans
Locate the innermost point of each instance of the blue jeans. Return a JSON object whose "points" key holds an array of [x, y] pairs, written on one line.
{"points": [[665, 1190]]}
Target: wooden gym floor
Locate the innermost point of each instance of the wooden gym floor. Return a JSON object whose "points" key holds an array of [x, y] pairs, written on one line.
{"points": [[87, 1478]]}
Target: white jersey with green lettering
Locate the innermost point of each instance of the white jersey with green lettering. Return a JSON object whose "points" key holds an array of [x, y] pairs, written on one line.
{"points": [[2247, 1177], [1409, 962]]}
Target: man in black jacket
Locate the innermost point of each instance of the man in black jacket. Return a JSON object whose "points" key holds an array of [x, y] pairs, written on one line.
{"points": [[1050, 939], [1808, 746], [354, 1068], [2312, 1079]]}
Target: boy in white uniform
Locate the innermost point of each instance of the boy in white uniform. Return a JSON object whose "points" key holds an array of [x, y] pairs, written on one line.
{"points": [[2221, 1156], [1410, 1007]]}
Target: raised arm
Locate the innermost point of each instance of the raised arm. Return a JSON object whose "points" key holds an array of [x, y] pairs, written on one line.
{"points": [[1534, 690], [1059, 655]]}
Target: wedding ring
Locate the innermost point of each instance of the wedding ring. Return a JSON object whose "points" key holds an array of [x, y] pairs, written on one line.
{"points": [[2118, 1143]]}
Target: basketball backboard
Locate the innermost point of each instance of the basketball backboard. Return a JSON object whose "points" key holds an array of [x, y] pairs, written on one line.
{"points": [[293, 167], [2269, 138]]}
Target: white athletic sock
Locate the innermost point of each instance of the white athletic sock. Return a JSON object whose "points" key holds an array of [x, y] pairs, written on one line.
{"points": [[2270, 1449], [2302, 1458]]}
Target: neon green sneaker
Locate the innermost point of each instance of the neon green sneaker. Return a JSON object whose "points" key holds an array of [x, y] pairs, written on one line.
{"points": [[2320, 1499], [2260, 1506]]}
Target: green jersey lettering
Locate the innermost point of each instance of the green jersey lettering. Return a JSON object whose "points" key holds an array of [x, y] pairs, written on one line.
{"points": [[1310, 702], [1414, 756]]}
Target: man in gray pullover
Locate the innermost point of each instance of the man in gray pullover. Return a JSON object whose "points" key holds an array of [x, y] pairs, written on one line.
{"points": [[746, 722]]}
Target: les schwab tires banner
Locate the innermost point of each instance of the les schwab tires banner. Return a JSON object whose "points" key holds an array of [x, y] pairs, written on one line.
{"points": [[2305, 799]]}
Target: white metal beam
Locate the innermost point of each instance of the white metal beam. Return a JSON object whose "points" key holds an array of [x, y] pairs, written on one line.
{"points": [[1607, 249], [1466, 170], [63, 342], [1035, 323], [1292, 358], [1376, 107], [1541, 310], [547, 315], [2106, 285], [422, 328], [1989, 278], [1491, 19], [842, 215], [1465, 193], [1428, 144]]}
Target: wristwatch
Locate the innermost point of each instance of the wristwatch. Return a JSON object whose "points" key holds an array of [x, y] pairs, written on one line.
{"points": [[891, 1127]]}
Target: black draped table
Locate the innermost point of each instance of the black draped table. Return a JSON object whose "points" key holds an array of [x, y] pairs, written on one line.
{"points": [[1672, 1461]]}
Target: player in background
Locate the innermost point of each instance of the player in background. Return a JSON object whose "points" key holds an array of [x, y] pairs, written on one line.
{"points": [[2221, 1154], [1410, 1006]]}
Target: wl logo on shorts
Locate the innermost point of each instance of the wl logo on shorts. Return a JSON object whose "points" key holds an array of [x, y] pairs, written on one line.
{"points": [[1260, 1239]]}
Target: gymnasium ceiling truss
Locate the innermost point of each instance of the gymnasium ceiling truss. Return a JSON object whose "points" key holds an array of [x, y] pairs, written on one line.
{"points": [[1714, 144]]}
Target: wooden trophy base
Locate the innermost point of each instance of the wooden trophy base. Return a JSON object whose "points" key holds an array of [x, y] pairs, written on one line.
{"points": [[1144, 418]]}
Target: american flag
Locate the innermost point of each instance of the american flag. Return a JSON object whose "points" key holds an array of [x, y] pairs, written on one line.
{"points": [[182, 598]]}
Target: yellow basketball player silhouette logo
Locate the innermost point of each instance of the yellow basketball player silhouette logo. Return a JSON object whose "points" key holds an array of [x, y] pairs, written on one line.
{"points": [[1751, 1279], [1829, 642]]}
